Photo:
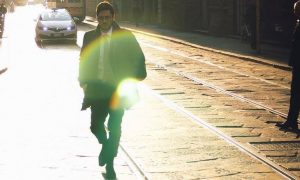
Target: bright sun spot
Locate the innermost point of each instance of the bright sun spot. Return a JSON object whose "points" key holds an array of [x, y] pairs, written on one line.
{"points": [[126, 95]]}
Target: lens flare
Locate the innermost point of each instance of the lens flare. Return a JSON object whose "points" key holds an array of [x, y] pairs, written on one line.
{"points": [[126, 95]]}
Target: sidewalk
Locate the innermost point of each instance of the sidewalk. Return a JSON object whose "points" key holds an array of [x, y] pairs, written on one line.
{"points": [[270, 54]]}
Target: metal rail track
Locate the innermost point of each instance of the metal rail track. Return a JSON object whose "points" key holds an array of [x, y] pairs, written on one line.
{"points": [[283, 172], [280, 170], [134, 166], [214, 65], [216, 88], [219, 89]]}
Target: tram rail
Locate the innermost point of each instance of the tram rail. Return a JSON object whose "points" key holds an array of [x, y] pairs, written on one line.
{"points": [[221, 90], [283, 172], [215, 87], [179, 72], [242, 147], [133, 164], [186, 75]]}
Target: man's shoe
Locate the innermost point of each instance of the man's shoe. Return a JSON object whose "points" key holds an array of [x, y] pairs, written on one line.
{"points": [[287, 126], [110, 172]]}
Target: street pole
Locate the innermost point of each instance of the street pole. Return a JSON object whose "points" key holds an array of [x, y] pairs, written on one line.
{"points": [[258, 26], [159, 11]]}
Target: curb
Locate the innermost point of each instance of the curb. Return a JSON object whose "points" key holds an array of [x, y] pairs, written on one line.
{"points": [[243, 57], [235, 55]]}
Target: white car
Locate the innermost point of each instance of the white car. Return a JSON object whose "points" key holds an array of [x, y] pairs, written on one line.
{"points": [[55, 24]]}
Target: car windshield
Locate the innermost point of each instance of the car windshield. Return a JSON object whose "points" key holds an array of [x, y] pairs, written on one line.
{"points": [[55, 16]]}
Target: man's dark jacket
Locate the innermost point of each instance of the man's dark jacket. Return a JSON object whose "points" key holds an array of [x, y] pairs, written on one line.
{"points": [[294, 60], [126, 60]]}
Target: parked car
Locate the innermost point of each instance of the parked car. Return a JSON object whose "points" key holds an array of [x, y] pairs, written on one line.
{"points": [[55, 24]]}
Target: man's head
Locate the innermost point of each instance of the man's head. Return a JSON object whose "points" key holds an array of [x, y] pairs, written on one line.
{"points": [[105, 15], [297, 8]]}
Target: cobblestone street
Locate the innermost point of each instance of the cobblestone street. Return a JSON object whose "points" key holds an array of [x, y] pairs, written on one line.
{"points": [[206, 112]]}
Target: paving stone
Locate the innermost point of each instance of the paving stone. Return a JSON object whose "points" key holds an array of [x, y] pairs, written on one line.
{"points": [[186, 151], [292, 166], [276, 153]]}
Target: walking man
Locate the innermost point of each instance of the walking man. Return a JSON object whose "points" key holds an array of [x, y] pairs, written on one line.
{"points": [[294, 62], [108, 56]]}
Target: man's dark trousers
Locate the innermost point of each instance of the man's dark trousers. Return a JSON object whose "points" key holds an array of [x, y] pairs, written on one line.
{"points": [[100, 109], [295, 97]]}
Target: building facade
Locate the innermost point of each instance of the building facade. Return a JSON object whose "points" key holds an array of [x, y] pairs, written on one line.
{"points": [[92, 4], [218, 17], [226, 17]]}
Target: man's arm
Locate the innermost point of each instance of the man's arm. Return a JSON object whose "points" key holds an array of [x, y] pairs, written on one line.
{"points": [[140, 67], [81, 68]]}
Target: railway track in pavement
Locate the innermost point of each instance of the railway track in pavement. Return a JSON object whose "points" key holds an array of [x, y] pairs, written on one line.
{"points": [[173, 97], [240, 99], [242, 95], [259, 85]]}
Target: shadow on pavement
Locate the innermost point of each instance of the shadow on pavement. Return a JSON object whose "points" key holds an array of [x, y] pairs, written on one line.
{"points": [[104, 176], [296, 132]]}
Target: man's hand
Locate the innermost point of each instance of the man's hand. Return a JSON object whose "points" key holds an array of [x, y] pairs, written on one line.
{"points": [[85, 104]]}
